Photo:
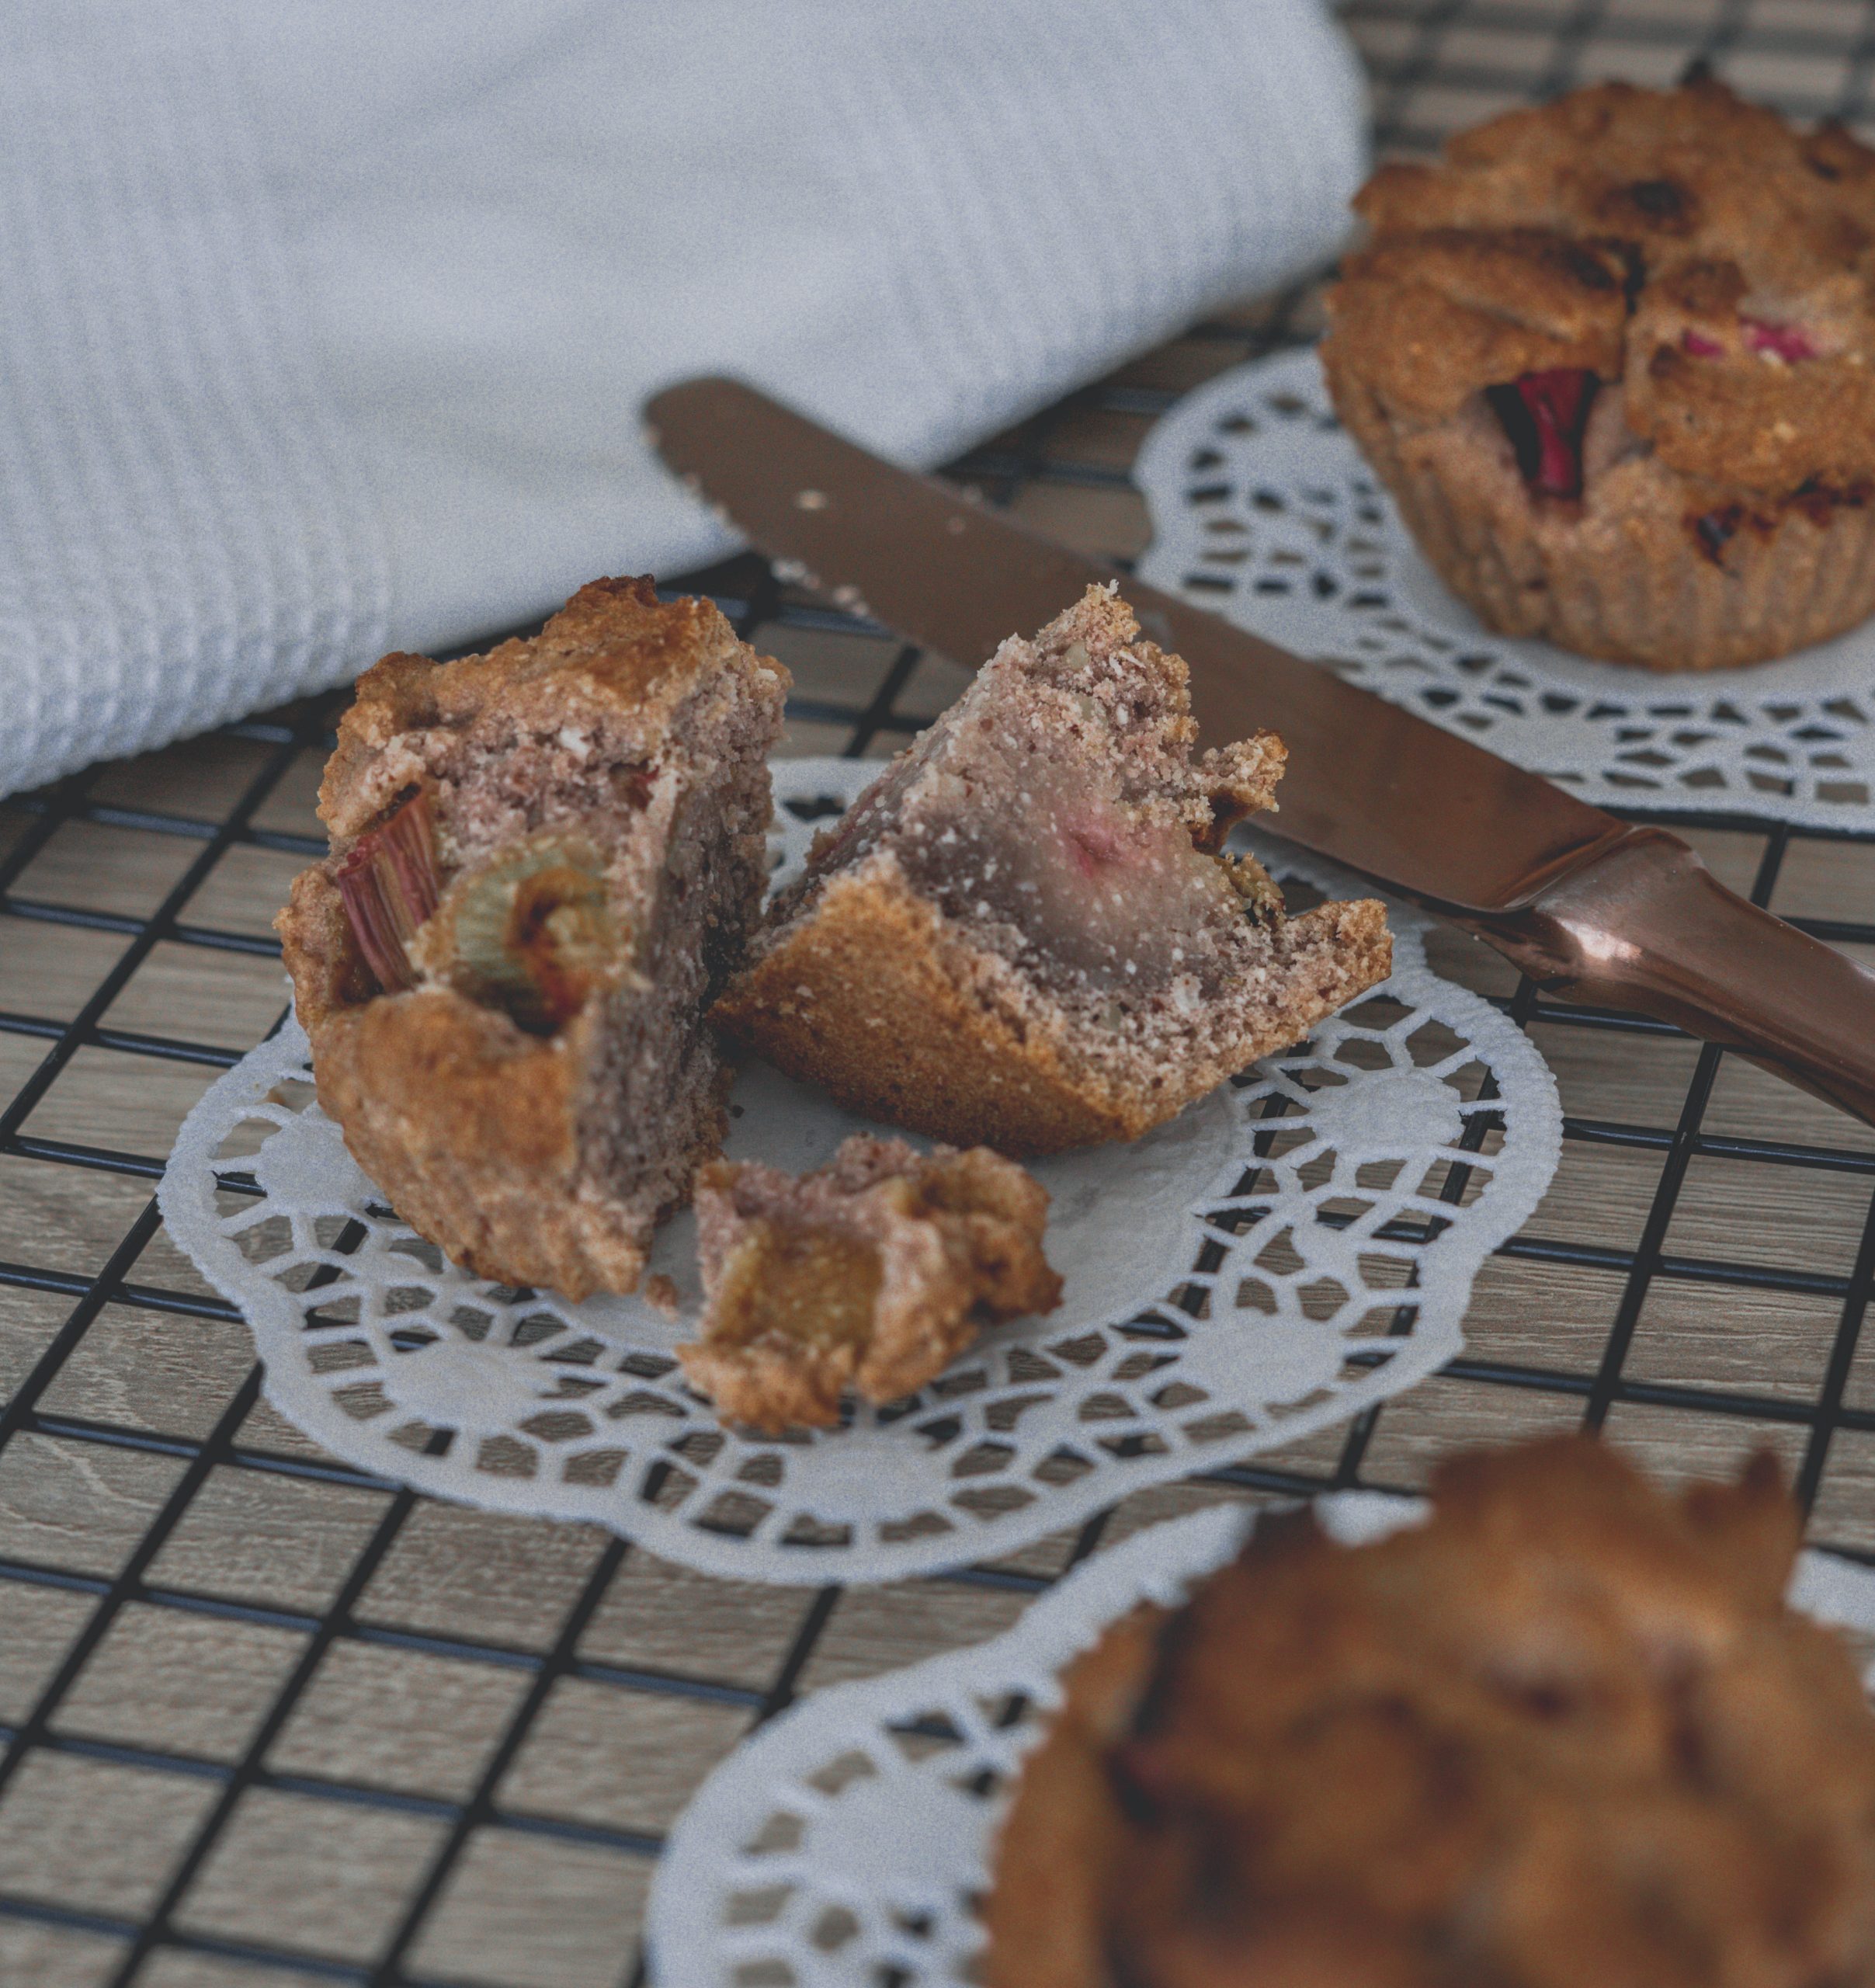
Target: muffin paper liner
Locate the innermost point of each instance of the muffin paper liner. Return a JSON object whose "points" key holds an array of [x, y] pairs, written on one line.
{"points": [[1265, 511], [847, 1842], [1291, 1250]]}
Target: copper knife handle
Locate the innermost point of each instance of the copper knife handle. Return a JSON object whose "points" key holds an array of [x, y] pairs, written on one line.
{"points": [[1646, 925]]}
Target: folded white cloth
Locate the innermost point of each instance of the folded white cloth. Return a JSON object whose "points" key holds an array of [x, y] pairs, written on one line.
{"points": [[326, 328]]}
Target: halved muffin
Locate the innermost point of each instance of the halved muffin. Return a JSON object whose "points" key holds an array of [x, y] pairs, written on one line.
{"points": [[869, 1275], [545, 862], [1023, 935]]}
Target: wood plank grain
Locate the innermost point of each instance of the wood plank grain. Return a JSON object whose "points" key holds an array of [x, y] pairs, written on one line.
{"points": [[655, 1616], [625, 1760], [169, 1967], [874, 1629], [179, 1683], [279, 1541], [226, 1000], [93, 1834], [38, 1625], [520, 1913], [152, 1371], [52, 1957], [311, 1875], [94, 867], [484, 1577], [82, 1507], [398, 1718]]}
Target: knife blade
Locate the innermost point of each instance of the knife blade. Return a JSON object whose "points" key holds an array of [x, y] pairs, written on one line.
{"points": [[1578, 899], [1367, 784]]}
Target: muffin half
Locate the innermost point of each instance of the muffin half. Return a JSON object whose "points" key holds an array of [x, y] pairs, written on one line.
{"points": [[1023, 935], [545, 862]]}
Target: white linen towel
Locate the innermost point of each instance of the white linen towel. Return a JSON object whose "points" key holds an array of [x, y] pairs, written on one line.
{"points": [[325, 328]]}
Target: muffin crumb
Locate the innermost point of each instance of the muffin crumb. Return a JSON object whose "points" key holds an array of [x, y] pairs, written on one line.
{"points": [[865, 1277]]}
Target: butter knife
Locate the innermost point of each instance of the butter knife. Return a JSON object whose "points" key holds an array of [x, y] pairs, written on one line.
{"points": [[1608, 912]]}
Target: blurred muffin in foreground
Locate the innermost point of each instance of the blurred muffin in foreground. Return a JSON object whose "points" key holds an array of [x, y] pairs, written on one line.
{"points": [[1566, 1732], [1615, 359]]}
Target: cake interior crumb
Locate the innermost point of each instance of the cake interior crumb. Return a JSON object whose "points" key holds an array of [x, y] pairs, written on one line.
{"points": [[805, 1280], [1060, 822], [588, 885]]}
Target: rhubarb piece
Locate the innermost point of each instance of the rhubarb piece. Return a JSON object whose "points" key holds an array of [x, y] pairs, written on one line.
{"points": [[387, 882], [867, 1277], [532, 931], [1565, 1731], [1715, 530], [1790, 342], [1545, 416], [546, 861], [1021, 936]]}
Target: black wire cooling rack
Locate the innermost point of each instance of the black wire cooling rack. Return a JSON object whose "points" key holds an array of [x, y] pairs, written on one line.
{"points": [[126, 1858]]}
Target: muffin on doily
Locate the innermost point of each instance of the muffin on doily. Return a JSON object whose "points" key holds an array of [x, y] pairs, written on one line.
{"points": [[1023, 934], [545, 862], [1565, 1732], [868, 1275], [1615, 359]]}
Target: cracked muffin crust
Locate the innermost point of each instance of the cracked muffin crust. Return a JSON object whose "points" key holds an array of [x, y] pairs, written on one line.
{"points": [[1565, 1732], [545, 861], [1022, 936], [869, 1275], [1615, 359]]}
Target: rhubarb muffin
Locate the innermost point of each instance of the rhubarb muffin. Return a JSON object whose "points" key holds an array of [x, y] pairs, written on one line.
{"points": [[545, 862], [1565, 1732], [1615, 359], [868, 1276], [1024, 934]]}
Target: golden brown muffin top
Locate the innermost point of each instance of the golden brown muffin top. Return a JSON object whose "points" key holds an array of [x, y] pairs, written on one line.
{"points": [[1717, 262], [1565, 1732], [615, 652]]}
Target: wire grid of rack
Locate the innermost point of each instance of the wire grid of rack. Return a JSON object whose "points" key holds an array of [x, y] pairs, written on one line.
{"points": [[267, 1720]]}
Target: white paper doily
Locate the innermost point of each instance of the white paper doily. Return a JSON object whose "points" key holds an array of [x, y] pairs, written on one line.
{"points": [[1264, 511], [1275, 1260], [841, 1846]]}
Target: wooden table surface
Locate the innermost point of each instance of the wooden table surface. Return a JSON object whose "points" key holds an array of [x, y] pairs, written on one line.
{"points": [[266, 1723]]}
